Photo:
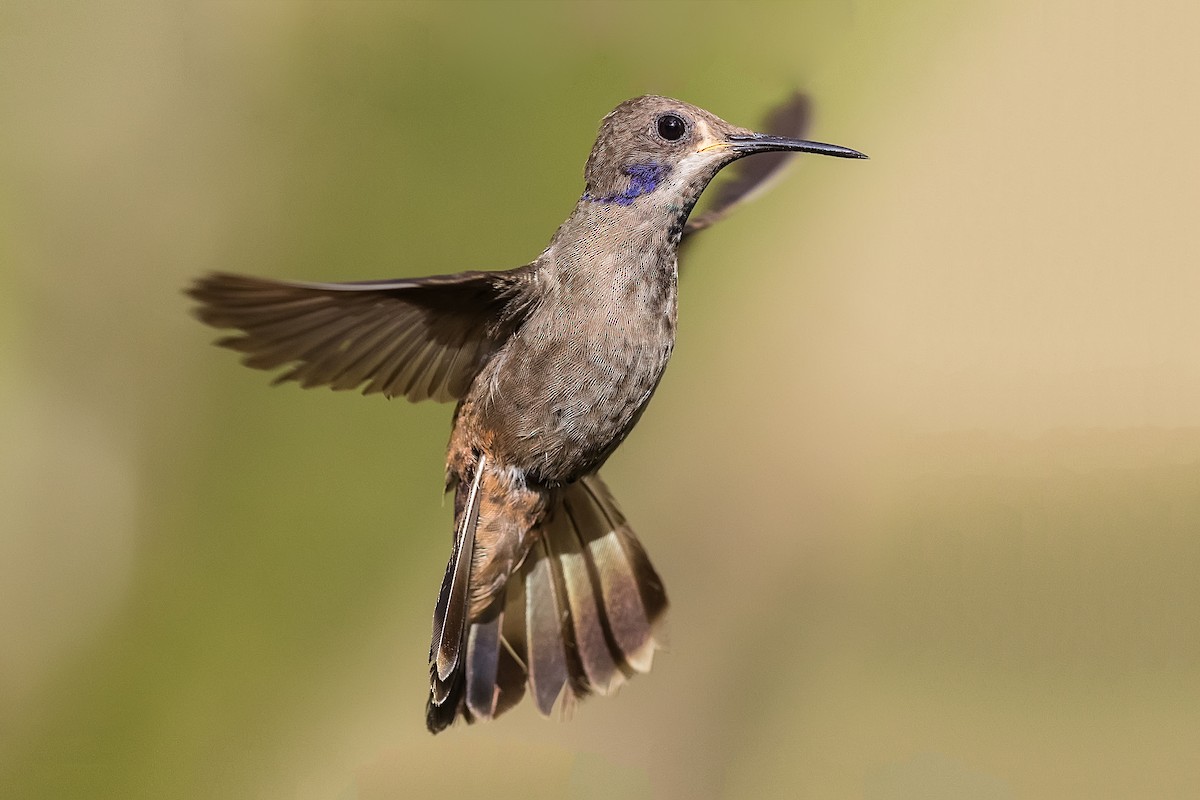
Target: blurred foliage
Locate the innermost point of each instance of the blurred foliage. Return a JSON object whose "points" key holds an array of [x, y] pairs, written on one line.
{"points": [[923, 478]]}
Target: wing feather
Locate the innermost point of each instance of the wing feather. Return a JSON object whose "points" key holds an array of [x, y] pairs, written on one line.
{"points": [[422, 338]]}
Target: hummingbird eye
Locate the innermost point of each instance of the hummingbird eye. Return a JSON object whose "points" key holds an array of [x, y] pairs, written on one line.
{"points": [[671, 127]]}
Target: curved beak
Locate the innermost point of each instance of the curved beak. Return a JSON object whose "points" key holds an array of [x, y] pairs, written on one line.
{"points": [[745, 144]]}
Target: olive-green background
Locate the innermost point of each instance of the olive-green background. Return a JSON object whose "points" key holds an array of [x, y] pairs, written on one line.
{"points": [[923, 478]]}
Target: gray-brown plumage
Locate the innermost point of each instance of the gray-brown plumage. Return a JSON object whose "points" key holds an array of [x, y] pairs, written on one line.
{"points": [[552, 364]]}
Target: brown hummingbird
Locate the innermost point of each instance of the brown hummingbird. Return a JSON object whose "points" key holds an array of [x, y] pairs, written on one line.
{"points": [[552, 364]]}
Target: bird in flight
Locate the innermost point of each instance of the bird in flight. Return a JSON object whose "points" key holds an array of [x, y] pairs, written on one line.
{"points": [[547, 590]]}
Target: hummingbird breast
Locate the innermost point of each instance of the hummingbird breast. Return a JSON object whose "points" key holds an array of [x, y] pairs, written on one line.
{"points": [[571, 383]]}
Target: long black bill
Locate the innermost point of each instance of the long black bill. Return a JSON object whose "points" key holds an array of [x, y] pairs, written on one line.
{"points": [[761, 143]]}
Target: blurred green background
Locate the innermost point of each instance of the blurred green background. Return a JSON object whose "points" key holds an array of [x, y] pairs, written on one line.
{"points": [[923, 479]]}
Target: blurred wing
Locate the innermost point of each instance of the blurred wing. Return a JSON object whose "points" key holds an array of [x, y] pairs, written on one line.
{"points": [[753, 175], [422, 338]]}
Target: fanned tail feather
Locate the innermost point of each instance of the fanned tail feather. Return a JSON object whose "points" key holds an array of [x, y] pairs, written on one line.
{"points": [[578, 616], [450, 614]]}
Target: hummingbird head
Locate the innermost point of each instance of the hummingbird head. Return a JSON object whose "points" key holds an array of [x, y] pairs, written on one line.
{"points": [[653, 144]]}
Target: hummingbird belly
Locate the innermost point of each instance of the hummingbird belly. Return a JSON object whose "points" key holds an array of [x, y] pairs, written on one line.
{"points": [[557, 406]]}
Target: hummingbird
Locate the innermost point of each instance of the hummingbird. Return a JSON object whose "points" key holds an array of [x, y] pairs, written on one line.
{"points": [[547, 589]]}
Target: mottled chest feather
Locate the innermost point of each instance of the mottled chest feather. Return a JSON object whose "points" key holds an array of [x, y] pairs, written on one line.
{"points": [[569, 385]]}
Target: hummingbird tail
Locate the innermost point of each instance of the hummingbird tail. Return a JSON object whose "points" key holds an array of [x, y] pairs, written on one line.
{"points": [[578, 616]]}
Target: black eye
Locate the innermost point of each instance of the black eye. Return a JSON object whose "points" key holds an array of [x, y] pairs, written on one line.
{"points": [[671, 127]]}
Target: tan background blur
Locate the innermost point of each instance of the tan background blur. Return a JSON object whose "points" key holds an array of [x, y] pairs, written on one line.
{"points": [[923, 479]]}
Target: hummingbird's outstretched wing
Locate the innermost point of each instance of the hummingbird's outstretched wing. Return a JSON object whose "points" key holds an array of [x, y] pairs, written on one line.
{"points": [[752, 175], [422, 338]]}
